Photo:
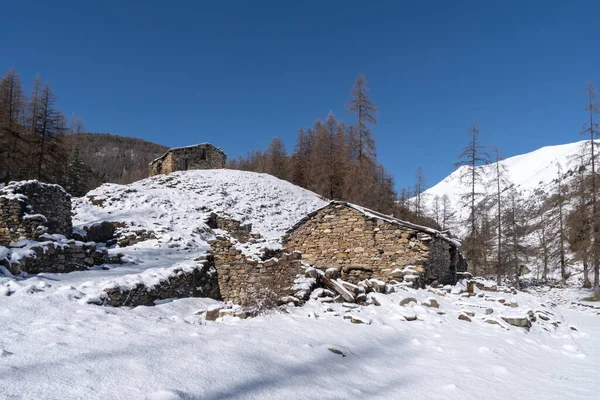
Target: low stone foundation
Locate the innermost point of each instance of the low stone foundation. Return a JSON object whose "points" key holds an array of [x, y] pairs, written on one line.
{"points": [[200, 281], [60, 256]]}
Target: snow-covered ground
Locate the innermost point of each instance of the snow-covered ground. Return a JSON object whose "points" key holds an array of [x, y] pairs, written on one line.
{"points": [[54, 345]]}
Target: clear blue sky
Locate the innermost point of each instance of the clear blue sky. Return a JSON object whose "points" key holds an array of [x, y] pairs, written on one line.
{"points": [[237, 73]]}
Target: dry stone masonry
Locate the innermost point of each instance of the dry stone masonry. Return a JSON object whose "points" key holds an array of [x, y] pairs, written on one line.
{"points": [[244, 280], [200, 156], [362, 244], [29, 209], [36, 231], [199, 281]]}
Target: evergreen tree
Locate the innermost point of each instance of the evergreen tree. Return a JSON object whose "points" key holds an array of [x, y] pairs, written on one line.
{"points": [[12, 140], [77, 174]]}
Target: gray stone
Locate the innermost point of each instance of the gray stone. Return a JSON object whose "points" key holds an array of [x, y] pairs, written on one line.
{"points": [[464, 317], [407, 300], [521, 322]]}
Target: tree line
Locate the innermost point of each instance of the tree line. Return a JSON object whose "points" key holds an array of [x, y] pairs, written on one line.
{"points": [[38, 142], [31, 128], [336, 160]]}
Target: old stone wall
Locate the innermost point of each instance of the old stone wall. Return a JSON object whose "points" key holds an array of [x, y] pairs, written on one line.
{"points": [[197, 282], [202, 156], [63, 256], [242, 233], [29, 209], [364, 247], [245, 281]]}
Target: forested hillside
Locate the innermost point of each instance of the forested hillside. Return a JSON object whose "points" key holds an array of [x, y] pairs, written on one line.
{"points": [[110, 158], [38, 142]]}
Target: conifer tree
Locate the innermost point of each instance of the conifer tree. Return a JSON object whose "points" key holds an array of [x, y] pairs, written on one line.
{"points": [[591, 129], [419, 186], [471, 157], [276, 159], [76, 176], [12, 140], [365, 111]]}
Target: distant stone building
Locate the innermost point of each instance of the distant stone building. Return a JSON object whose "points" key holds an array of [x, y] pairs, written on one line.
{"points": [[200, 156], [363, 244]]}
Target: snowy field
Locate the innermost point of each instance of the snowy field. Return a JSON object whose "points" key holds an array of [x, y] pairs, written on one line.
{"points": [[54, 345]]}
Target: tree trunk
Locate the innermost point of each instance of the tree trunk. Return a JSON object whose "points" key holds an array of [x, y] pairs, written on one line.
{"points": [[586, 279]]}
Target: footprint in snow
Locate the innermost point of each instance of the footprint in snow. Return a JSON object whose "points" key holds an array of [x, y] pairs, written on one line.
{"points": [[5, 353]]}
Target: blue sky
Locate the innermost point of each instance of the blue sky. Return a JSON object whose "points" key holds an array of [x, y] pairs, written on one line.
{"points": [[238, 73]]}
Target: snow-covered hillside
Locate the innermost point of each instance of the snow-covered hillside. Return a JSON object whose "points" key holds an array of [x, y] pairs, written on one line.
{"points": [[527, 172], [421, 344], [178, 202]]}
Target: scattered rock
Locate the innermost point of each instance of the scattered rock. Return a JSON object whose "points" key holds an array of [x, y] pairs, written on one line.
{"points": [[407, 300], [374, 300], [543, 316], [212, 313], [409, 314], [355, 319], [431, 303], [332, 273], [489, 311], [464, 317], [521, 322]]}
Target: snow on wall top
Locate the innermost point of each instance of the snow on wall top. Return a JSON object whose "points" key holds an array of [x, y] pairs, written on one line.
{"points": [[11, 191]]}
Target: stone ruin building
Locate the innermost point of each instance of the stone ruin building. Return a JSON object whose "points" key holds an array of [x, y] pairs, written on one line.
{"points": [[363, 244], [36, 231], [200, 156]]}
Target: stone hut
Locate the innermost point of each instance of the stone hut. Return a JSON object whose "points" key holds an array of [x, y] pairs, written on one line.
{"points": [[36, 231], [200, 156], [363, 244], [29, 209]]}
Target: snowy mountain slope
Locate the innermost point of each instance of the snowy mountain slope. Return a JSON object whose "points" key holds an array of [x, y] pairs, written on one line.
{"points": [[527, 172]]}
